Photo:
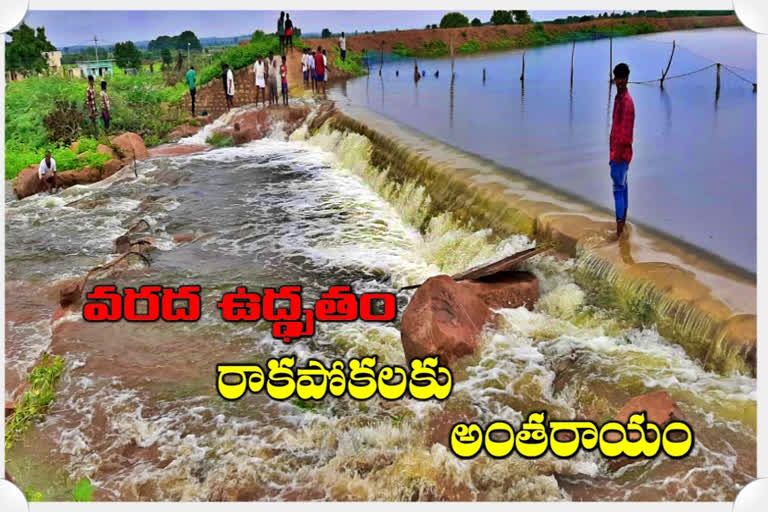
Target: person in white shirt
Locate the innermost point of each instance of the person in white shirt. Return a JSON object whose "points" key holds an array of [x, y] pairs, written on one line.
{"points": [[229, 89], [343, 47], [305, 66], [311, 62], [46, 173], [274, 75], [325, 64], [260, 72]]}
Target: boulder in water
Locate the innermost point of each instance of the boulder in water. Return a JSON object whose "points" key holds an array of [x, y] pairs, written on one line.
{"points": [[445, 317], [659, 408], [27, 183], [131, 145]]}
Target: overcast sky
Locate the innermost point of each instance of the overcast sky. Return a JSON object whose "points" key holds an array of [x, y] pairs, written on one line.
{"points": [[68, 28]]}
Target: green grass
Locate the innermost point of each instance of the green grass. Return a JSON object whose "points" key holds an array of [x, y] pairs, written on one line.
{"points": [[238, 57], [220, 140], [143, 104], [470, 47], [34, 403], [353, 64]]}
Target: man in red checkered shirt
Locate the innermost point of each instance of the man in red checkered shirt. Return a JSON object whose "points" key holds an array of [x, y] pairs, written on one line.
{"points": [[621, 143]]}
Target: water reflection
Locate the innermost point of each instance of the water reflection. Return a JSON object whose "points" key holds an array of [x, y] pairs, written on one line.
{"points": [[680, 154]]}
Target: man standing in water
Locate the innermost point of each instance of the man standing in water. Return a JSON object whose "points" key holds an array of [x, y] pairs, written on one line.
{"points": [[190, 78], [46, 173], [621, 143]]}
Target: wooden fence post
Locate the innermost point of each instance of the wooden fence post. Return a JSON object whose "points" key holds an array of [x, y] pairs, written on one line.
{"points": [[664, 73], [610, 61], [522, 73], [717, 86], [573, 50]]}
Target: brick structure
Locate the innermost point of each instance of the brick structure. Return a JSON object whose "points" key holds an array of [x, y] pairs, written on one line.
{"points": [[210, 96]]}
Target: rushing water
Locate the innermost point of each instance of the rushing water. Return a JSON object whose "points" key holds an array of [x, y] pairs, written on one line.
{"points": [[693, 175], [137, 410]]}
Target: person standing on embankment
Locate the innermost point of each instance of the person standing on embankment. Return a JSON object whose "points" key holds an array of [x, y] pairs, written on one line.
{"points": [[191, 77], [622, 130], [343, 47], [90, 104], [320, 69], [281, 31], [105, 106]]}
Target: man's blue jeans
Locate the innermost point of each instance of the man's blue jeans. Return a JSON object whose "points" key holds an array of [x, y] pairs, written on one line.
{"points": [[620, 195]]}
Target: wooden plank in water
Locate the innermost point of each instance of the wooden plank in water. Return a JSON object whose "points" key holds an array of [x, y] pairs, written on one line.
{"points": [[502, 265]]}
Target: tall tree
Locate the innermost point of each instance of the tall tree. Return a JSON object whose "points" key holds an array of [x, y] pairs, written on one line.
{"points": [[24, 51], [453, 20], [521, 17], [502, 18], [127, 55]]}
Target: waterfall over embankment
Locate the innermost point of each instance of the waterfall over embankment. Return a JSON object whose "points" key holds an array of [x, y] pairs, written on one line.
{"points": [[696, 301]]}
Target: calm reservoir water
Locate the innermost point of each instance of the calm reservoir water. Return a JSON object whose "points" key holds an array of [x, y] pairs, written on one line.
{"points": [[693, 174]]}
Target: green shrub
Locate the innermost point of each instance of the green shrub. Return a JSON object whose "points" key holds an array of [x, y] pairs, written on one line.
{"points": [[470, 46], [433, 49], [401, 50], [34, 403], [220, 140], [140, 103], [241, 56]]}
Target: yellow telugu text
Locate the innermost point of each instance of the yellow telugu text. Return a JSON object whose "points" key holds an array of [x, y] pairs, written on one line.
{"points": [[360, 379], [564, 438]]}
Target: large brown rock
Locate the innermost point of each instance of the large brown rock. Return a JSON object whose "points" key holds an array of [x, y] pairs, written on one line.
{"points": [[659, 408], [27, 183], [82, 176], [110, 167], [131, 145], [184, 130], [445, 317], [105, 150]]}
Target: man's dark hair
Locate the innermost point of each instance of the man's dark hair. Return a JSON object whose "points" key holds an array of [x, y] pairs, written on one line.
{"points": [[283, 57], [621, 70], [90, 78], [103, 85], [48, 153], [223, 66], [342, 34], [191, 67]]}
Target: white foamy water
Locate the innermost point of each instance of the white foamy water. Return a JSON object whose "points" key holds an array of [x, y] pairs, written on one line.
{"points": [[138, 413]]}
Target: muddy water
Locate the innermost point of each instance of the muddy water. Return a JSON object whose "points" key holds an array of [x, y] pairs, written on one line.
{"points": [[137, 410]]}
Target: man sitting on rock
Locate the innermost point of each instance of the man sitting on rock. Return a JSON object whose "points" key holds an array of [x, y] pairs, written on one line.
{"points": [[47, 172]]}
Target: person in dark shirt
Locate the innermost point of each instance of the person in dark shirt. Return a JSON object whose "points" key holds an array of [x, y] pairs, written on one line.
{"points": [[288, 32]]}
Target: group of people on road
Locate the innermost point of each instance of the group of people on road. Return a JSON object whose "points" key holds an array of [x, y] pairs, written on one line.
{"points": [[270, 76], [285, 31], [314, 69], [266, 74]]}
